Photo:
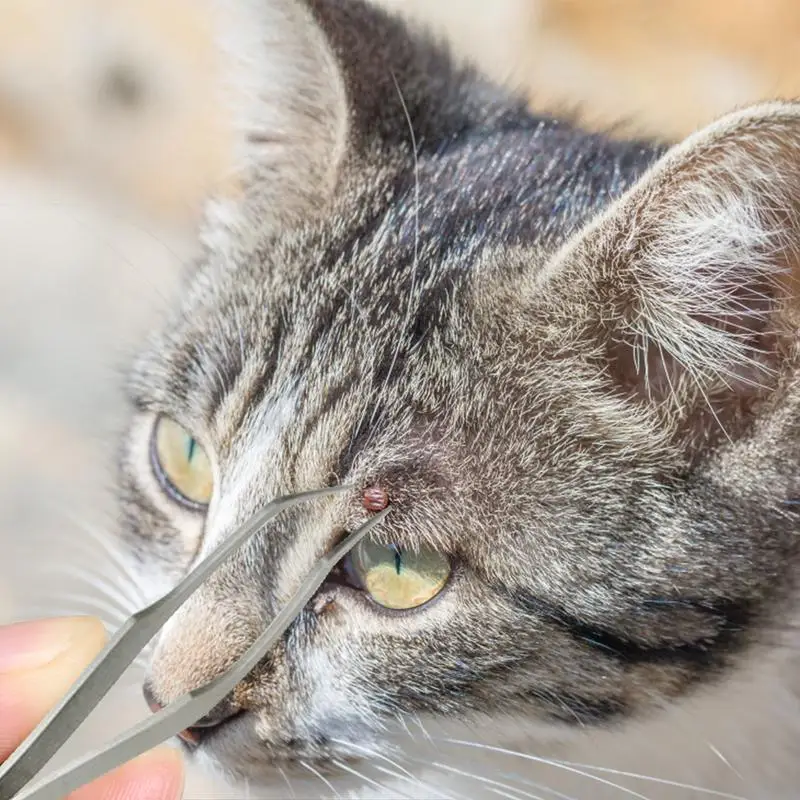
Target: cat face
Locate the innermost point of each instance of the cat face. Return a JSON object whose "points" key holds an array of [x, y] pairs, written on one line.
{"points": [[567, 362]]}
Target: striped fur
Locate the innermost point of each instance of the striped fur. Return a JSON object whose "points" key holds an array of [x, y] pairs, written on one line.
{"points": [[571, 362]]}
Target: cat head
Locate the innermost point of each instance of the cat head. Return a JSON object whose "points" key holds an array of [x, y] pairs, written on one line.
{"points": [[569, 363]]}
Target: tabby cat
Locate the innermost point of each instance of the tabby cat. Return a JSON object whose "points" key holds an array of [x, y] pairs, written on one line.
{"points": [[570, 365]]}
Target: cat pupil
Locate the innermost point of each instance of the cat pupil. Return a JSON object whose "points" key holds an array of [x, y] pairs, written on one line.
{"points": [[398, 558], [192, 446]]}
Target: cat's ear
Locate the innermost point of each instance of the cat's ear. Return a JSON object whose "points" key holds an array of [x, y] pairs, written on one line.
{"points": [[686, 291], [282, 90]]}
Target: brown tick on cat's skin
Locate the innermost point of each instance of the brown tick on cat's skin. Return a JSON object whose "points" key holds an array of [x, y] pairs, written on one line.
{"points": [[375, 499]]}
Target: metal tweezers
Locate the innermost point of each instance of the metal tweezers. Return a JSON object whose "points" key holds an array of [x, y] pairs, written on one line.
{"points": [[50, 735]]}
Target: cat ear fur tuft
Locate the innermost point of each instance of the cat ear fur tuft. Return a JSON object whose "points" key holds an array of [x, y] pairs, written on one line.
{"points": [[688, 286]]}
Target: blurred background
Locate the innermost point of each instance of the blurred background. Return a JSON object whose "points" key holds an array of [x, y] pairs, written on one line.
{"points": [[110, 138]]}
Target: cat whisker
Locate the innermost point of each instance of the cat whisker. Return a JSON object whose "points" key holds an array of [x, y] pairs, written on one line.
{"points": [[415, 261], [435, 793], [579, 769], [112, 550], [724, 760], [369, 751], [115, 554], [496, 787], [661, 781], [401, 719], [425, 733], [398, 772], [548, 762], [319, 775], [93, 581], [94, 605], [288, 783], [360, 775]]}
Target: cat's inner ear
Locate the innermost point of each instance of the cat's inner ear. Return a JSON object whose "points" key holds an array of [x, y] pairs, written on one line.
{"points": [[282, 91], [686, 289]]}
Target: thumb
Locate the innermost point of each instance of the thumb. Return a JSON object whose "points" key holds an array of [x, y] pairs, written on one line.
{"points": [[39, 661]]}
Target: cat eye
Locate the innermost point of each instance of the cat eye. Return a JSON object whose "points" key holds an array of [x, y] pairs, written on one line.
{"points": [[398, 579], [181, 464]]}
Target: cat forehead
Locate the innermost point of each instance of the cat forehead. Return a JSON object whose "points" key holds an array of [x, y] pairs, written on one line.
{"points": [[359, 294], [431, 216]]}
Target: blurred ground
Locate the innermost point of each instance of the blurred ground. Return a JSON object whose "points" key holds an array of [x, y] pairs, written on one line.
{"points": [[118, 92]]}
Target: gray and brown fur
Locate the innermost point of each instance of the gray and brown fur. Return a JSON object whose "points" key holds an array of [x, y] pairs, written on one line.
{"points": [[570, 361]]}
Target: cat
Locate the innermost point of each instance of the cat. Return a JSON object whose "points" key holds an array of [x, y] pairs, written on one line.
{"points": [[569, 365]]}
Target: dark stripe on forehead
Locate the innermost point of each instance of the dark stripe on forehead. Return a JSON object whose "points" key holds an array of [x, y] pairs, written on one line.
{"points": [[224, 372], [332, 398], [256, 393]]}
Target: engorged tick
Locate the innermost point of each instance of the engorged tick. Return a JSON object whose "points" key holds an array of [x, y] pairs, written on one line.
{"points": [[375, 499]]}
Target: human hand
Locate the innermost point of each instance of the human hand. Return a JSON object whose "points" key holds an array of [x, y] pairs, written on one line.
{"points": [[39, 661]]}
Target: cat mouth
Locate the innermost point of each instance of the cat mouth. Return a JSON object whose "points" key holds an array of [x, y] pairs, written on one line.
{"points": [[203, 732]]}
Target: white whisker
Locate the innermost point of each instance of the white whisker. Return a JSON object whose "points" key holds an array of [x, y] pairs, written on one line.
{"points": [[81, 604], [111, 548], [422, 728], [497, 787], [399, 771], [570, 766], [661, 781], [93, 580], [287, 782], [402, 721], [725, 761], [416, 781], [415, 261], [549, 762], [127, 584], [319, 775], [342, 766]]}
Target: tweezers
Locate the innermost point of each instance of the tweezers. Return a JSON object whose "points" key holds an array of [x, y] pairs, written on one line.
{"points": [[97, 680]]}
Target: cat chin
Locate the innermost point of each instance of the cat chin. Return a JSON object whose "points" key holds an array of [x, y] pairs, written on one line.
{"points": [[410, 757]]}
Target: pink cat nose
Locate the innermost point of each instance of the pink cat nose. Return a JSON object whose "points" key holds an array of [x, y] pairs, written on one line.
{"points": [[223, 712]]}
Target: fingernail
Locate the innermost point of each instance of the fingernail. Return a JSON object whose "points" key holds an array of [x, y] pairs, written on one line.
{"points": [[31, 645]]}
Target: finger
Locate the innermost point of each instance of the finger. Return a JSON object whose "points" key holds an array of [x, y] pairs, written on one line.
{"points": [[157, 775], [39, 661]]}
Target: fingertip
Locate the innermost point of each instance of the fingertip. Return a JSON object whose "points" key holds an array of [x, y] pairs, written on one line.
{"points": [[39, 661], [36, 643], [156, 775]]}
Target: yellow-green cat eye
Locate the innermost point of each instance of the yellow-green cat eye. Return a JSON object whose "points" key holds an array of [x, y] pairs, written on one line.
{"points": [[181, 464], [399, 579]]}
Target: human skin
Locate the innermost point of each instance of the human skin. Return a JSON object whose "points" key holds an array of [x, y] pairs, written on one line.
{"points": [[39, 661]]}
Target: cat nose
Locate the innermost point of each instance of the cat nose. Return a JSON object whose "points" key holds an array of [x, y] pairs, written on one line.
{"points": [[218, 715], [150, 698]]}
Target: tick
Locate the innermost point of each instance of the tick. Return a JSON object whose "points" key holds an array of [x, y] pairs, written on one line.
{"points": [[375, 499]]}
